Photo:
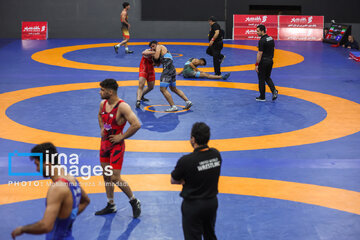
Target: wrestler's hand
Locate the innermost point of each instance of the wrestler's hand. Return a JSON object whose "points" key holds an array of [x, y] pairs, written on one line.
{"points": [[211, 43], [257, 69], [115, 138], [16, 232]]}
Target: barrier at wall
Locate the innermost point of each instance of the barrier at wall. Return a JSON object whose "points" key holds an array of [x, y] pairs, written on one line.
{"points": [[34, 31], [280, 27]]}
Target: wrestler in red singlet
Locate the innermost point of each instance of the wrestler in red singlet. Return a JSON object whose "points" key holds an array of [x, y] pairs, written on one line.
{"points": [[109, 152]]}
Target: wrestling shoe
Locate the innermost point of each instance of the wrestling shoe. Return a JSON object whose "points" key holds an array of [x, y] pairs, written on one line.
{"points": [[116, 48], [137, 104], [188, 105], [128, 51], [260, 99], [172, 109], [144, 99], [136, 207], [222, 60], [226, 76], [110, 208], [275, 95]]}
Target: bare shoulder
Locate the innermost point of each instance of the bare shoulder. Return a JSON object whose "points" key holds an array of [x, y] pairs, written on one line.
{"points": [[124, 107], [58, 189], [102, 103]]}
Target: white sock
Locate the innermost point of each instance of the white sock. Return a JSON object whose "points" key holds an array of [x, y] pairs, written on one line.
{"points": [[126, 48], [118, 45], [111, 200], [132, 198]]}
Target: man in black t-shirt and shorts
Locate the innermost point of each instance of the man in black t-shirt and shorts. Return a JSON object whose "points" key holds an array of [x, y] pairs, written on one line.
{"points": [[216, 35], [264, 63], [199, 174]]}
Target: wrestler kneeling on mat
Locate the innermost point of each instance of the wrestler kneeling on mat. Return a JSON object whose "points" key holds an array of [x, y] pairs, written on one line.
{"points": [[191, 71]]}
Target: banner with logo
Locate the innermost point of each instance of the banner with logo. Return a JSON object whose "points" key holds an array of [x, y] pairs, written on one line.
{"points": [[245, 26], [34, 31], [280, 27], [250, 33], [301, 28]]}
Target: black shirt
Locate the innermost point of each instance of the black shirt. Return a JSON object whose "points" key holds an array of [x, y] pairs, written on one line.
{"points": [[266, 45], [352, 45], [213, 28], [200, 170]]}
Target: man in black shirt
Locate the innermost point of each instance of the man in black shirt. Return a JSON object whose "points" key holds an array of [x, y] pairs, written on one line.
{"points": [[351, 44], [216, 35], [199, 173], [264, 63]]}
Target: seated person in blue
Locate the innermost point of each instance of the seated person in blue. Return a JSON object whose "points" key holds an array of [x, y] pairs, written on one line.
{"points": [[191, 71], [352, 44]]}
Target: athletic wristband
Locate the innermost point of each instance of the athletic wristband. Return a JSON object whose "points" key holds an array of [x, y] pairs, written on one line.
{"points": [[256, 64]]}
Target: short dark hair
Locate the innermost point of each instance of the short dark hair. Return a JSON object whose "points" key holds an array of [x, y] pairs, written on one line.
{"points": [[201, 132], [153, 41], [261, 27], [125, 4], [46, 148], [203, 59], [110, 83], [212, 18]]}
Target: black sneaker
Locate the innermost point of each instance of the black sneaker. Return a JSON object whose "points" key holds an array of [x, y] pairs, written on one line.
{"points": [[225, 76], [110, 208], [128, 51], [275, 95], [138, 104], [144, 99], [116, 48], [260, 99], [136, 207]]}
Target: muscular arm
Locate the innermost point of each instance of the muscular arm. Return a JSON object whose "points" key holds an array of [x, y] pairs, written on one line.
{"points": [[55, 198], [84, 201], [217, 32], [157, 52], [258, 58], [101, 124], [148, 52], [125, 110], [123, 18], [193, 66]]}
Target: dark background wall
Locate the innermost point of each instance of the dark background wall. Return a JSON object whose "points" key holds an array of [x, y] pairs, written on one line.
{"points": [[151, 18]]}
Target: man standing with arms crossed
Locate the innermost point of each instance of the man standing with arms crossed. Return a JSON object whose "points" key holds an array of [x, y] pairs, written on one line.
{"points": [[65, 199], [113, 115], [168, 76], [264, 63], [125, 27], [199, 173]]}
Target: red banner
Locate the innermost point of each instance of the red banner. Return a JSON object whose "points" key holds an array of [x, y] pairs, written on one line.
{"points": [[280, 27], [34, 31], [301, 28], [245, 26], [250, 33], [270, 21]]}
